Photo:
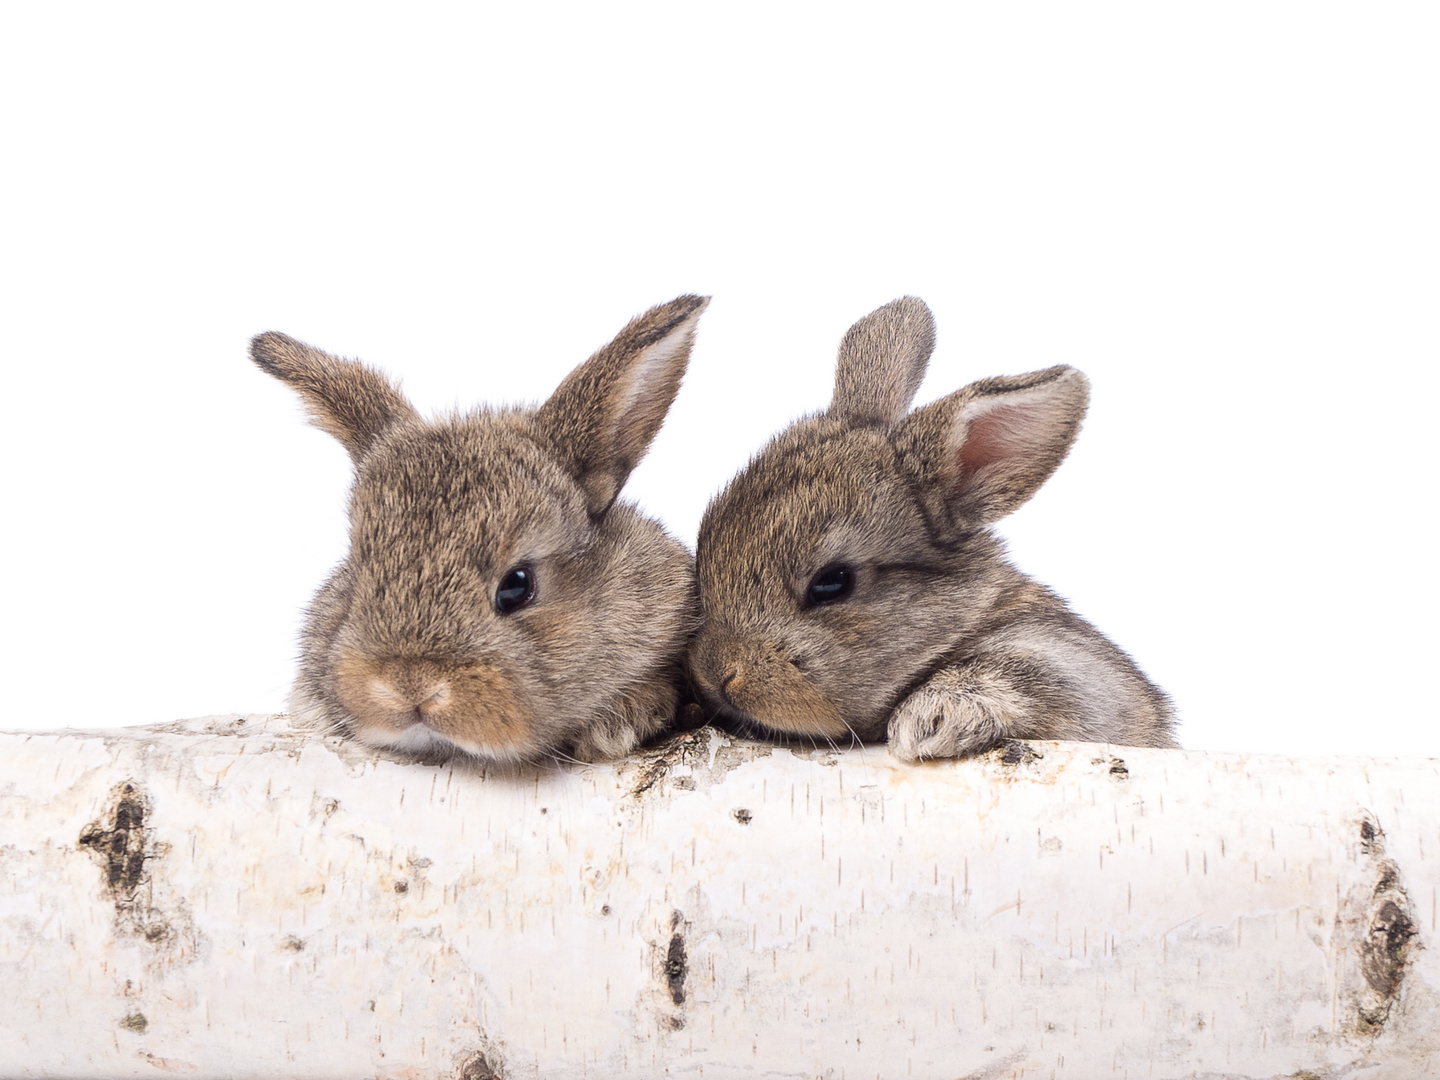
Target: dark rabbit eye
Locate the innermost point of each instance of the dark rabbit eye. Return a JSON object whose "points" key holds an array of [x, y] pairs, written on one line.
{"points": [[829, 585], [517, 588]]}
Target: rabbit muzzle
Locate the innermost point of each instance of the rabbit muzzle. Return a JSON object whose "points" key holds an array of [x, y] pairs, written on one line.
{"points": [[758, 681], [408, 703]]}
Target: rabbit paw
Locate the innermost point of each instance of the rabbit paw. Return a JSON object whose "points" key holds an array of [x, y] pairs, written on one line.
{"points": [[605, 742], [643, 713], [956, 713]]}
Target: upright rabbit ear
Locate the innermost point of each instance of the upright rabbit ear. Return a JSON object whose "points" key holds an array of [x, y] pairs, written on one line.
{"points": [[882, 360], [984, 450], [347, 399], [601, 419]]}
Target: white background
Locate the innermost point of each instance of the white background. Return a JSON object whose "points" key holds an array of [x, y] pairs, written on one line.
{"points": [[1225, 214]]}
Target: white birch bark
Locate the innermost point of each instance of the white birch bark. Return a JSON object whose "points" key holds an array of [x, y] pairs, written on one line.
{"points": [[227, 898]]}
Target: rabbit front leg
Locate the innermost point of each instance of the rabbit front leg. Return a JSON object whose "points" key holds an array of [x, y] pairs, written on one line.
{"points": [[640, 714], [964, 710]]}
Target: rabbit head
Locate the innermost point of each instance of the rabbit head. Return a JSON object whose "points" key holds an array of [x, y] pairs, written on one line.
{"points": [[497, 600], [852, 553]]}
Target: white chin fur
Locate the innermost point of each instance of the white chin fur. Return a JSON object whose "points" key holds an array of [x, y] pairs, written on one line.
{"points": [[421, 740]]}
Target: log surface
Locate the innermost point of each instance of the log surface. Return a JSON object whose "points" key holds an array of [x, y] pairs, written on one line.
{"points": [[227, 897]]}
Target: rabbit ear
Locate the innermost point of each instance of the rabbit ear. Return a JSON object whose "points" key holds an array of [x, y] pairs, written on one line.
{"points": [[984, 450], [345, 398], [882, 360], [601, 419]]}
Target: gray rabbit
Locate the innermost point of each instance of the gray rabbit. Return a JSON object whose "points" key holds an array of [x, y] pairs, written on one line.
{"points": [[497, 600], [851, 587]]}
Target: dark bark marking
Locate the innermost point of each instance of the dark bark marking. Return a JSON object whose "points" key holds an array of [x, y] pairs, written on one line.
{"points": [[676, 967], [1387, 934], [1017, 752], [118, 839], [1368, 833], [1385, 953], [476, 1067], [1118, 769], [122, 840]]}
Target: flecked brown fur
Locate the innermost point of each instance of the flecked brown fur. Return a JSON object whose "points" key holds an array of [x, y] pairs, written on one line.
{"points": [[406, 645], [940, 646]]}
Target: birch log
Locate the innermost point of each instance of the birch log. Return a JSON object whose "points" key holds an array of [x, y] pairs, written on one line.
{"points": [[230, 898]]}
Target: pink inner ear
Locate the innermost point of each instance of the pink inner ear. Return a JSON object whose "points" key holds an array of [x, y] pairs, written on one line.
{"points": [[998, 434]]}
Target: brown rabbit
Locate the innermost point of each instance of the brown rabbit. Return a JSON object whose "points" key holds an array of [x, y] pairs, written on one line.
{"points": [[496, 599], [852, 589]]}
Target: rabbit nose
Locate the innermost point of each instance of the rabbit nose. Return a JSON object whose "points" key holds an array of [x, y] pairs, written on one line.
{"points": [[416, 685], [433, 702], [403, 688], [734, 679]]}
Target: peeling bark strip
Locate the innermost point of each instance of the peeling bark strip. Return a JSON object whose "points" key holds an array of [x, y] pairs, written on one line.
{"points": [[657, 763], [228, 898]]}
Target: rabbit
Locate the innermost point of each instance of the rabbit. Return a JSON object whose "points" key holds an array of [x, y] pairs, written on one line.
{"points": [[496, 600], [852, 590]]}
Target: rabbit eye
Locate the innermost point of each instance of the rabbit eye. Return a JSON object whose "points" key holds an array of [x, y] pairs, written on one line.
{"points": [[517, 588], [829, 585]]}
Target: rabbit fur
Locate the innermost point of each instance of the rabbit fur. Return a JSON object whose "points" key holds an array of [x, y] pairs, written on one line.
{"points": [[497, 600], [851, 588]]}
